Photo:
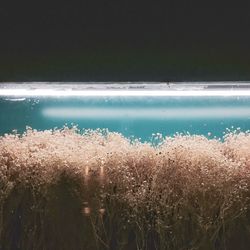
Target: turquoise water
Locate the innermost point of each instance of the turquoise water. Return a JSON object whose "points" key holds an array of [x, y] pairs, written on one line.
{"points": [[138, 116]]}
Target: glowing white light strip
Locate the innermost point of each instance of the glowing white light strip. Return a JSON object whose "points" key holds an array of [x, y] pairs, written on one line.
{"points": [[147, 113], [68, 93]]}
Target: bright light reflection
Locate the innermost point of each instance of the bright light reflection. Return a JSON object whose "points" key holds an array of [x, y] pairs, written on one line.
{"points": [[147, 113], [123, 92]]}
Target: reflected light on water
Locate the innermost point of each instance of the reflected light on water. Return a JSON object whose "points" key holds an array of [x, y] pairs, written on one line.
{"points": [[124, 92], [146, 113]]}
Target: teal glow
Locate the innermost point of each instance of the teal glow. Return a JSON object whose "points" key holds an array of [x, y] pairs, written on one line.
{"points": [[138, 116]]}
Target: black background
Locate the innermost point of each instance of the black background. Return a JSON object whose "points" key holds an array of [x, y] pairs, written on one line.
{"points": [[113, 40]]}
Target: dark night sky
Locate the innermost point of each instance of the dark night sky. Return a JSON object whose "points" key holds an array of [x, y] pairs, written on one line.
{"points": [[121, 40]]}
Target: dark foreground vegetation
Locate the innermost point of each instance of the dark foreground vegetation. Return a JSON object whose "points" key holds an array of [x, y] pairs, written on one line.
{"points": [[62, 189]]}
